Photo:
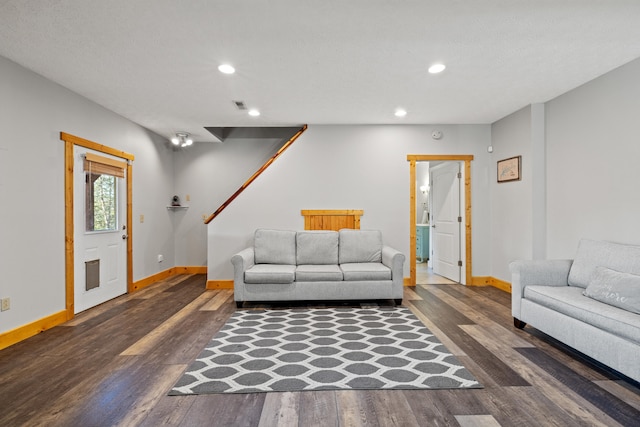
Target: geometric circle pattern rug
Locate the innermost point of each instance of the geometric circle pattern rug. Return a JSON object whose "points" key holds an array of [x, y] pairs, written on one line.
{"points": [[323, 349]]}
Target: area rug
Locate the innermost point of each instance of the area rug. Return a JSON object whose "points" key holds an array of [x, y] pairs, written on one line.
{"points": [[323, 349]]}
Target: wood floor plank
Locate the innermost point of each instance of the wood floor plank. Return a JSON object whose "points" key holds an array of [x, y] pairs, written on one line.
{"points": [[76, 374], [477, 421], [449, 321], [410, 294], [601, 399], [506, 333], [216, 302], [355, 410], [623, 390], [224, 410], [151, 339], [280, 410], [536, 375], [318, 408], [442, 337]]}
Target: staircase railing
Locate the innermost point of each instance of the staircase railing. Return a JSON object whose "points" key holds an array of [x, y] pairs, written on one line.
{"points": [[255, 175]]}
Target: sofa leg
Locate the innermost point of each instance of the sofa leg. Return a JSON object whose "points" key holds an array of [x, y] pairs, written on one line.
{"points": [[518, 323], [398, 301], [239, 304]]}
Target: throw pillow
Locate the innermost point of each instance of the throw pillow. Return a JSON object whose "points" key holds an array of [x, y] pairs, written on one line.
{"points": [[612, 287]]}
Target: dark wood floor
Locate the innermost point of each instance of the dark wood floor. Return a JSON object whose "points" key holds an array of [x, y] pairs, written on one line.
{"points": [[114, 364]]}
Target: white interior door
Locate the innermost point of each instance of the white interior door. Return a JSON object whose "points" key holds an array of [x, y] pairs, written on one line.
{"points": [[446, 215], [100, 235]]}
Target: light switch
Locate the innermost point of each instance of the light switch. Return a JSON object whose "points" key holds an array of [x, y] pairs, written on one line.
{"points": [[141, 219], [188, 197]]}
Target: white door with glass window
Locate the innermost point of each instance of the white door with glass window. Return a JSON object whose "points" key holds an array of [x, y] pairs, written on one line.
{"points": [[100, 232], [445, 224]]}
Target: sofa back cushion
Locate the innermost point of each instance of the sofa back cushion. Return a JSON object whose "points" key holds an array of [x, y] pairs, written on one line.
{"points": [[317, 247], [275, 246], [360, 246], [594, 253]]}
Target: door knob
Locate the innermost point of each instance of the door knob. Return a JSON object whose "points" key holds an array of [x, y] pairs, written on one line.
{"points": [[125, 237]]}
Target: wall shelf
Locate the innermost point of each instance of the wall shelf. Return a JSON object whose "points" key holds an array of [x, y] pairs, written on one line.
{"points": [[177, 207]]}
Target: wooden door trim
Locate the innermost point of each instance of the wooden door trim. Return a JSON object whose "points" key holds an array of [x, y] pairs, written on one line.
{"points": [[70, 142], [413, 159]]}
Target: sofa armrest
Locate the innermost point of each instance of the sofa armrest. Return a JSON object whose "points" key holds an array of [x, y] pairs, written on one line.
{"points": [[242, 261], [394, 259], [536, 272]]}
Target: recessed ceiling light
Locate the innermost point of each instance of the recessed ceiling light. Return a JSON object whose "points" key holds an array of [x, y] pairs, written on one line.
{"points": [[254, 113], [437, 68], [400, 112], [226, 69]]}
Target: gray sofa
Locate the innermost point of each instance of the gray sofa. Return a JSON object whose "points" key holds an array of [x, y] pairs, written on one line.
{"points": [[590, 303], [287, 265]]}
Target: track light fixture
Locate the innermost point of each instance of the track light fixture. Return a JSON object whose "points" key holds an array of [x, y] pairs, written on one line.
{"points": [[182, 139]]}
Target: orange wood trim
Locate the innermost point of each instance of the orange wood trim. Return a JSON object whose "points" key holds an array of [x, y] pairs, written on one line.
{"points": [[192, 269], [70, 141], [439, 157], [256, 174], [143, 283], [95, 146], [501, 284], [339, 212], [219, 284], [26, 331], [467, 158], [491, 281], [130, 227], [331, 219], [412, 230], [407, 281], [68, 230], [467, 203], [480, 281]]}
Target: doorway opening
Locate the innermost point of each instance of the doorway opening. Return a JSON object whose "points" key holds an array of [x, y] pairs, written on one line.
{"points": [[427, 222], [71, 142]]}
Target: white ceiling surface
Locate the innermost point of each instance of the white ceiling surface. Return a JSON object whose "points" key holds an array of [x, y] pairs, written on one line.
{"points": [[318, 62]]}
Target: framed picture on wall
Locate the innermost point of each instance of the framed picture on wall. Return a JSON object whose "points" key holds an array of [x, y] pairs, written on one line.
{"points": [[509, 169]]}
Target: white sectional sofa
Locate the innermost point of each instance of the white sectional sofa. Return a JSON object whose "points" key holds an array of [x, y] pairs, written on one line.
{"points": [[285, 265], [590, 303]]}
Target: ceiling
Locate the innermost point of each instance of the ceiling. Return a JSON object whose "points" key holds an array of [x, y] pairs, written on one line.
{"points": [[317, 62]]}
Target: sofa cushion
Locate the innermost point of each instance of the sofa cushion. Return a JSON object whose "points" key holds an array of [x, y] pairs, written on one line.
{"points": [[317, 247], [614, 288], [270, 273], [318, 273], [593, 253], [569, 300], [360, 246], [275, 247], [365, 271]]}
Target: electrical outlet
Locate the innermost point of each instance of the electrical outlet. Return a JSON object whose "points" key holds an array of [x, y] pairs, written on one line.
{"points": [[141, 218], [6, 304], [188, 197]]}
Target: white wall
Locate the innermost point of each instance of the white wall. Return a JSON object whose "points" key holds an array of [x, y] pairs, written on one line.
{"points": [[33, 112], [350, 167], [511, 202], [593, 147], [580, 175], [210, 174]]}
